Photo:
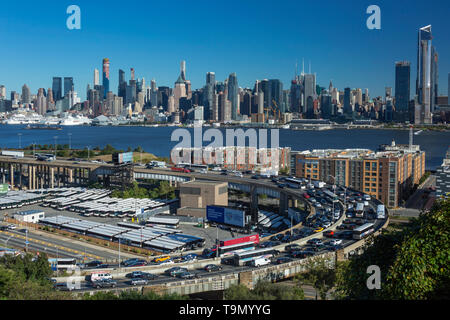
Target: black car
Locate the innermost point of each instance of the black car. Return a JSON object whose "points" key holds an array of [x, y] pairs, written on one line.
{"points": [[104, 283], [314, 241], [286, 238], [256, 177], [292, 247], [93, 264], [277, 237], [212, 268], [302, 254], [141, 275], [187, 275], [282, 260]]}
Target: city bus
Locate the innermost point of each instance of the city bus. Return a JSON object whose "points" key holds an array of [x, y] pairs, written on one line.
{"points": [[359, 210], [240, 247], [246, 257], [294, 183], [363, 231], [63, 264]]}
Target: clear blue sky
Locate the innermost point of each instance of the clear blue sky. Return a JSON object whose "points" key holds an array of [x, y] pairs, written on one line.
{"points": [[257, 39]]}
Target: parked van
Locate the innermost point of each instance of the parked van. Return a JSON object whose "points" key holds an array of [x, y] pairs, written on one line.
{"points": [[260, 262], [96, 276]]}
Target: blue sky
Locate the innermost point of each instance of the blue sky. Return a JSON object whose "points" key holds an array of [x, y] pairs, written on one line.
{"points": [[257, 39]]}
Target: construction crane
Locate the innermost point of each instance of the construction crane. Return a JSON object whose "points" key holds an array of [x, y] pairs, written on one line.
{"points": [[276, 112]]}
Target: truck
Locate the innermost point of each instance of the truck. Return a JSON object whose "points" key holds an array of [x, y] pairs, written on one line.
{"points": [[260, 262], [269, 173], [157, 164], [318, 184], [15, 154], [381, 212]]}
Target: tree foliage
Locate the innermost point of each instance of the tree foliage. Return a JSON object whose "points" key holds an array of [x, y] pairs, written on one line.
{"points": [[264, 291], [133, 295], [413, 261], [319, 274]]}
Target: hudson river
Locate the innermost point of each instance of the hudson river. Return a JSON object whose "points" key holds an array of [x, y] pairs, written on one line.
{"points": [[157, 140]]}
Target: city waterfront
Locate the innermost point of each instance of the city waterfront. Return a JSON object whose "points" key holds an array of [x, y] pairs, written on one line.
{"points": [[157, 140]]}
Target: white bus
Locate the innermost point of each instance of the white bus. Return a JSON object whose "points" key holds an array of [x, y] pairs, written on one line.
{"points": [[363, 231], [381, 213], [63, 264], [246, 257]]}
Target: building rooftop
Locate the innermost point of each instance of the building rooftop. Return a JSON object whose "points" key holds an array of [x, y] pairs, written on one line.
{"points": [[29, 212]]}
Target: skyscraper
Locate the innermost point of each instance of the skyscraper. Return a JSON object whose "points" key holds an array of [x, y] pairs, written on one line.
{"points": [[68, 85], [96, 77], [402, 85], [347, 101], [448, 89], [41, 102], [276, 94], [233, 95], [2, 92], [434, 79], [208, 96], [105, 77], [26, 95], [309, 87], [57, 88], [424, 76], [122, 90]]}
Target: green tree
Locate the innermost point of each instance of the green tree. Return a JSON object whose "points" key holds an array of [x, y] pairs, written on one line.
{"points": [[264, 290], [320, 274], [413, 261]]}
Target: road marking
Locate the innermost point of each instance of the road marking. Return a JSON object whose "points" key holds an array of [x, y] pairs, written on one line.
{"points": [[50, 245]]}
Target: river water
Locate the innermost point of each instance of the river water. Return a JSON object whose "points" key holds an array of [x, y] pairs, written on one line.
{"points": [[157, 140]]}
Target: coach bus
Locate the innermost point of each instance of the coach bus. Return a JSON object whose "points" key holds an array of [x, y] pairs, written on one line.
{"points": [[363, 231], [245, 257]]}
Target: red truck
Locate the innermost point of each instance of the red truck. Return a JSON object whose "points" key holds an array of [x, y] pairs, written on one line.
{"points": [[184, 170]]}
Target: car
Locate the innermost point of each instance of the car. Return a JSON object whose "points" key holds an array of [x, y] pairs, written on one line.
{"points": [[292, 247], [190, 257], [187, 275], [302, 254], [335, 242], [314, 241], [341, 227], [319, 229], [346, 235], [328, 234], [352, 226], [174, 271], [318, 247], [104, 283], [276, 237], [12, 227], [212, 267], [129, 262], [326, 224], [141, 275], [296, 237], [256, 177], [286, 238], [93, 264], [282, 260]]}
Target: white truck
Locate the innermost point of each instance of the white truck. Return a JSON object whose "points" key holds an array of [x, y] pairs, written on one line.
{"points": [[15, 154], [260, 262], [318, 184]]}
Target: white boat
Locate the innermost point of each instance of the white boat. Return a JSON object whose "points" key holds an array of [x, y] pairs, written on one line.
{"points": [[77, 120], [418, 132]]}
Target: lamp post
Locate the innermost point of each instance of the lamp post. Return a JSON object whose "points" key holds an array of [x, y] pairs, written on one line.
{"points": [[70, 140]]}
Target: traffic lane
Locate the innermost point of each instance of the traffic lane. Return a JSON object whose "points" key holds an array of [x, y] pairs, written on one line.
{"points": [[78, 250], [21, 245]]}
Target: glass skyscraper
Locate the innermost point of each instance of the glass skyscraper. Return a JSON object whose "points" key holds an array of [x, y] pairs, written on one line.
{"points": [[68, 85], [424, 83], [402, 85], [57, 88]]}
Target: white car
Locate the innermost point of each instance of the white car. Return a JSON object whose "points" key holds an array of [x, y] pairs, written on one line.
{"points": [[12, 227], [335, 242]]}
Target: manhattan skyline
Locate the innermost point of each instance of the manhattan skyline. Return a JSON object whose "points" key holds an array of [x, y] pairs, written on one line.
{"points": [[264, 44]]}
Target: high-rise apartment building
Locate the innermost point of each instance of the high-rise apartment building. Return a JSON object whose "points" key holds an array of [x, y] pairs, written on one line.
{"points": [[233, 95], [424, 80], [96, 77], [348, 109], [105, 82], [208, 96], [388, 174]]}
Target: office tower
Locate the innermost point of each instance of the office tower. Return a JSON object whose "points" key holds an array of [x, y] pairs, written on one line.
{"points": [[233, 96], [309, 87], [276, 94], [57, 88], [402, 85], [171, 104], [101, 91], [132, 73], [141, 98], [388, 112], [163, 97], [448, 89], [424, 76], [208, 96], [26, 95], [122, 90], [295, 96], [50, 96], [358, 97], [117, 106], [183, 70], [2, 92], [434, 79], [245, 105], [68, 85], [41, 102], [105, 77], [388, 92], [263, 86], [131, 93], [96, 77], [179, 90], [15, 96], [326, 105], [153, 94], [347, 102], [366, 95]]}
